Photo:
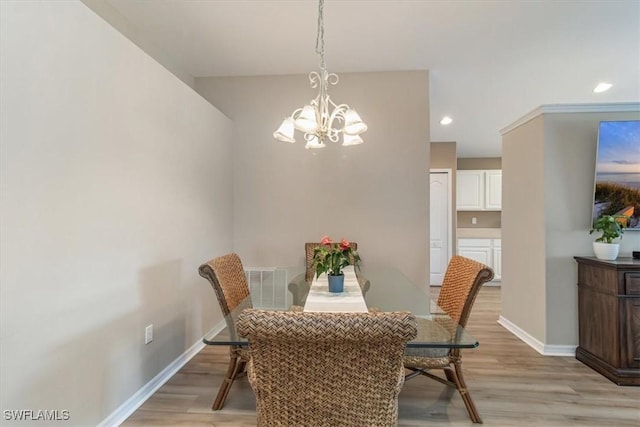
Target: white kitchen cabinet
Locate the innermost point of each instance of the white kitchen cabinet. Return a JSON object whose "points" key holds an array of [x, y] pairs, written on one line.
{"points": [[496, 259], [493, 190], [479, 190], [469, 190], [477, 249], [486, 251]]}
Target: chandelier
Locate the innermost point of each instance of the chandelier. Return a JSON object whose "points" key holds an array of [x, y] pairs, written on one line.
{"points": [[315, 119]]}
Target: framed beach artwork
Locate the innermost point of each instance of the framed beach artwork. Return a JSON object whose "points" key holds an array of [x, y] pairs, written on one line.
{"points": [[617, 183]]}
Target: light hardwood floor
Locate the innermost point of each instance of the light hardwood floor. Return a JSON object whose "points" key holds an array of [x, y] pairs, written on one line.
{"points": [[511, 384]]}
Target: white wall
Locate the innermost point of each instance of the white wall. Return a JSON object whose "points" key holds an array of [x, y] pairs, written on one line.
{"points": [[375, 194], [120, 23], [552, 154], [115, 186]]}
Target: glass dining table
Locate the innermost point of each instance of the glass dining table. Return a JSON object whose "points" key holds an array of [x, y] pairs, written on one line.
{"points": [[383, 289]]}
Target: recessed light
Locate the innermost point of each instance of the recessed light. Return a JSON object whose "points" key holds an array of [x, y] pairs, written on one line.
{"points": [[446, 120], [602, 86]]}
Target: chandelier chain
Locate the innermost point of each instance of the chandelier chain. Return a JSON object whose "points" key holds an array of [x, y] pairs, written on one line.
{"points": [[320, 34]]}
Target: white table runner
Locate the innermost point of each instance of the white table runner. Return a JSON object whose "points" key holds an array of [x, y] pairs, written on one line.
{"points": [[320, 299]]}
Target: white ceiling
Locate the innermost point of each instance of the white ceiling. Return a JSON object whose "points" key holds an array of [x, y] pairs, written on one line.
{"points": [[490, 62]]}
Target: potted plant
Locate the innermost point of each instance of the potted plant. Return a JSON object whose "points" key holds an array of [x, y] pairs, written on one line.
{"points": [[331, 258], [611, 227]]}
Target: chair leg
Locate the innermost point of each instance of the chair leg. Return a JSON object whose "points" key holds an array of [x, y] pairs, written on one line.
{"points": [[451, 376], [236, 366], [458, 379]]}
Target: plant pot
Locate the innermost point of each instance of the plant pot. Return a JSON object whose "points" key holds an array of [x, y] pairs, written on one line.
{"points": [[336, 283], [606, 251]]}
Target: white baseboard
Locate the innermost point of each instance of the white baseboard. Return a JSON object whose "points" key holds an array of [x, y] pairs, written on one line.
{"points": [[536, 344], [560, 350], [125, 410]]}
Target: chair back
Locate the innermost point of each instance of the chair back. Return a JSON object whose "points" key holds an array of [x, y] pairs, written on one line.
{"points": [[326, 369], [229, 282], [308, 250], [460, 286]]}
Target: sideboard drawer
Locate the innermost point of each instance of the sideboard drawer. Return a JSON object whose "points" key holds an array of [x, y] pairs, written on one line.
{"points": [[632, 283]]}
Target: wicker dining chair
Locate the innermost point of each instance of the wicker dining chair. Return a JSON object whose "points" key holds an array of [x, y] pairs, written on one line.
{"points": [[228, 280], [462, 280], [326, 369], [299, 286]]}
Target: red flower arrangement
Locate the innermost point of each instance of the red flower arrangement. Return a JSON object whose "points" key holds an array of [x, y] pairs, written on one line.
{"points": [[332, 257]]}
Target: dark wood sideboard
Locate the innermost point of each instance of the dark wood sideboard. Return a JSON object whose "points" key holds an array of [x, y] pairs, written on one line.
{"points": [[609, 318]]}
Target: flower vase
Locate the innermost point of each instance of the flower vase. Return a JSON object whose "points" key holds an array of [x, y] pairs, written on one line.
{"points": [[336, 283], [606, 251]]}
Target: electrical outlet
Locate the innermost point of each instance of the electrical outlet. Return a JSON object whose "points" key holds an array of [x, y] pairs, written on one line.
{"points": [[474, 220], [148, 334]]}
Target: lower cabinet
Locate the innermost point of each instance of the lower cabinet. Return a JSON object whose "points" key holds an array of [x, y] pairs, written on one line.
{"points": [[609, 318], [496, 259], [486, 251]]}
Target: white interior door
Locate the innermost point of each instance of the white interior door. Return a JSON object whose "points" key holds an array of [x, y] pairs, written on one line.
{"points": [[439, 224]]}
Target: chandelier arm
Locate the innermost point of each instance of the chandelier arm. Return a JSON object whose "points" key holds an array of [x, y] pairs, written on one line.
{"points": [[338, 113], [314, 79], [296, 111], [333, 134], [332, 104]]}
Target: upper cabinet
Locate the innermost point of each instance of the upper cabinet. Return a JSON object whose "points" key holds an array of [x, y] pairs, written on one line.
{"points": [[479, 190], [470, 190], [493, 190]]}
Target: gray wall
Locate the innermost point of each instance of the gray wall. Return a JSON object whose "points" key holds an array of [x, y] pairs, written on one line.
{"points": [[375, 193], [552, 156], [523, 228], [471, 163], [443, 155], [116, 185], [484, 219]]}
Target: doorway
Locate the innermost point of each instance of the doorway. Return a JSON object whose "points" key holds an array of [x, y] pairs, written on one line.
{"points": [[440, 224]]}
